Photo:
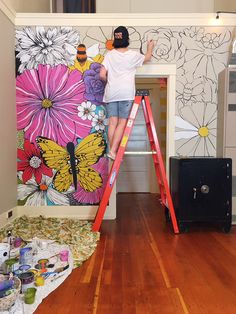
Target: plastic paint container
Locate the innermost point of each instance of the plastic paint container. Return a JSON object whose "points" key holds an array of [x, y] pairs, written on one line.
{"points": [[39, 281], [17, 242], [26, 255], [29, 295], [24, 268], [64, 255], [34, 271], [10, 265]]}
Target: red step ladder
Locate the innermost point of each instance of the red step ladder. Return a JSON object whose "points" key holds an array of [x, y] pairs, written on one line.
{"points": [[142, 97]]}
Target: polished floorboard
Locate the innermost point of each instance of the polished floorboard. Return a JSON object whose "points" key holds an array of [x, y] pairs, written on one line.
{"points": [[141, 267]]}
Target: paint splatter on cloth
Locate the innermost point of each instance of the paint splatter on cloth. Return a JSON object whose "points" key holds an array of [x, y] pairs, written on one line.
{"points": [[75, 233]]}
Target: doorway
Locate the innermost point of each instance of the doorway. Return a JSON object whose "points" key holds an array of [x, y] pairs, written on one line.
{"points": [[156, 71], [137, 173]]}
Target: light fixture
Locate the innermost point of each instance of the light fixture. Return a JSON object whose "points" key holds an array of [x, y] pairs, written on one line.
{"points": [[219, 12]]}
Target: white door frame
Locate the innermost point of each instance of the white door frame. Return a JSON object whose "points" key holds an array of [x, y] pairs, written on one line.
{"points": [[168, 71]]}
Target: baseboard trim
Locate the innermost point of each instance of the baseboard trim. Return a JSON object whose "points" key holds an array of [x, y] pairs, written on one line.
{"points": [[79, 212]]}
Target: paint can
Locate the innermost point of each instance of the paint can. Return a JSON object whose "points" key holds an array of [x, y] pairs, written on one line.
{"points": [[10, 265], [27, 280], [24, 268], [26, 255]]}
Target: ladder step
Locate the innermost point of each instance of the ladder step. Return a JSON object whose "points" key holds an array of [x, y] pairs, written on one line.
{"points": [[140, 153], [142, 92]]}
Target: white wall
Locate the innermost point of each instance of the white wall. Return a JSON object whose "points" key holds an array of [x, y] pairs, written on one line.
{"points": [[29, 5], [155, 6], [132, 6], [8, 116], [225, 5]]}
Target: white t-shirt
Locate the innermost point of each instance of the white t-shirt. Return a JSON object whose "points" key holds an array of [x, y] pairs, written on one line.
{"points": [[121, 69]]}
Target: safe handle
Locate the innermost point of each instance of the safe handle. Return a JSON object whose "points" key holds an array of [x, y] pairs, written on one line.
{"points": [[194, 193], [205, 189]]}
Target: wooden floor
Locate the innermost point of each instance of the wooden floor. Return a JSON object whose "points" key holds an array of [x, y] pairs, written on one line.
{"points": [[141, 267]]}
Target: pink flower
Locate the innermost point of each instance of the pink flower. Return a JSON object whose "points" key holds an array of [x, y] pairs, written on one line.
{"points": [[94, 197], [31, 163], [47, 99]]}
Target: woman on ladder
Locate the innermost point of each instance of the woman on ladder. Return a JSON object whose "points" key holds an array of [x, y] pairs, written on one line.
{"points": [[118, 71]]}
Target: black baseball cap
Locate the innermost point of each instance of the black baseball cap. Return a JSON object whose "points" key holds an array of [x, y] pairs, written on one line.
{"points": [[121, 37]]}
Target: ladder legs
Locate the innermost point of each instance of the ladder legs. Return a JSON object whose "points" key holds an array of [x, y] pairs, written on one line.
{"points": [[158, 163], [142, 96]]}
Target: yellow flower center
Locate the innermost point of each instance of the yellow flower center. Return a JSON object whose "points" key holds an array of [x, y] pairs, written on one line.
{"points": [[43, 187], [109, 44], [46, 103], [203, 131]]}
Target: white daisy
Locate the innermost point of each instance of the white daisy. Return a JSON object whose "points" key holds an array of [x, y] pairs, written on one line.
{"points": [[51, 46], [99, 121], [39, 193], [86, 110], [196, 130]]}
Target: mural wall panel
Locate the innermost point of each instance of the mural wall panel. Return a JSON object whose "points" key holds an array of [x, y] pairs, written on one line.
{"points": [[61, 119]]}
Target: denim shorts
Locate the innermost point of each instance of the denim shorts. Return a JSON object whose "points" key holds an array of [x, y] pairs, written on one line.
{"points": [[119, 109]]}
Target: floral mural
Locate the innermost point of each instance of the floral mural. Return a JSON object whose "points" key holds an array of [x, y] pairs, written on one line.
{"points": [[61, 119]]}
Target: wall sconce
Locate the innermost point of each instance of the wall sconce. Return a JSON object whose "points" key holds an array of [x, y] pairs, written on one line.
{"points": [[219, 12]]}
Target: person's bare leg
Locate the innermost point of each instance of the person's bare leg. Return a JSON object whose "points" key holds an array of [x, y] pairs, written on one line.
{"points": [[112, 124], [117, 135]]}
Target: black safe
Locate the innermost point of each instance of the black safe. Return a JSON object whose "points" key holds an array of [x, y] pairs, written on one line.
{"points": [[201, 190]]}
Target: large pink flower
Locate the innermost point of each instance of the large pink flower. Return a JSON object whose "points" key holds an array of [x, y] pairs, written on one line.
{"points": [[31, 163], [47, 99], [94, 197]]}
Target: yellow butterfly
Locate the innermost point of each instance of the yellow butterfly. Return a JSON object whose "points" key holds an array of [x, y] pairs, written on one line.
{"points": [[73, 162]]}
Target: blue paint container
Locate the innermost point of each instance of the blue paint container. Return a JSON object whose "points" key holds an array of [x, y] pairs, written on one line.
{"points": [[26, 255]]}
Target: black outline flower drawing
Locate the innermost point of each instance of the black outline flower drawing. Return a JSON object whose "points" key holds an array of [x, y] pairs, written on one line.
{"points": [[208, 56], [168, 45], [195, 133]]}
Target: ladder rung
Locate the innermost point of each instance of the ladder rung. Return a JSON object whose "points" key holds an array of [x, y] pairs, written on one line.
{"points": [[140, 153], [142, 92]]}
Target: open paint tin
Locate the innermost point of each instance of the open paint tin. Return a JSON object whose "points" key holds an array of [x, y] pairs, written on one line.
{"points": [[27, 280]]}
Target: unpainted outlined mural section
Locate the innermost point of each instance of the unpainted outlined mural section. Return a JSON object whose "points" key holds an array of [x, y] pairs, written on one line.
{"points": [[61, 119]]}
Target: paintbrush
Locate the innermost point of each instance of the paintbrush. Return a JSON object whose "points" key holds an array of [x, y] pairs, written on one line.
{"points": [[60, 269], [55, 278], [56, 271]]}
